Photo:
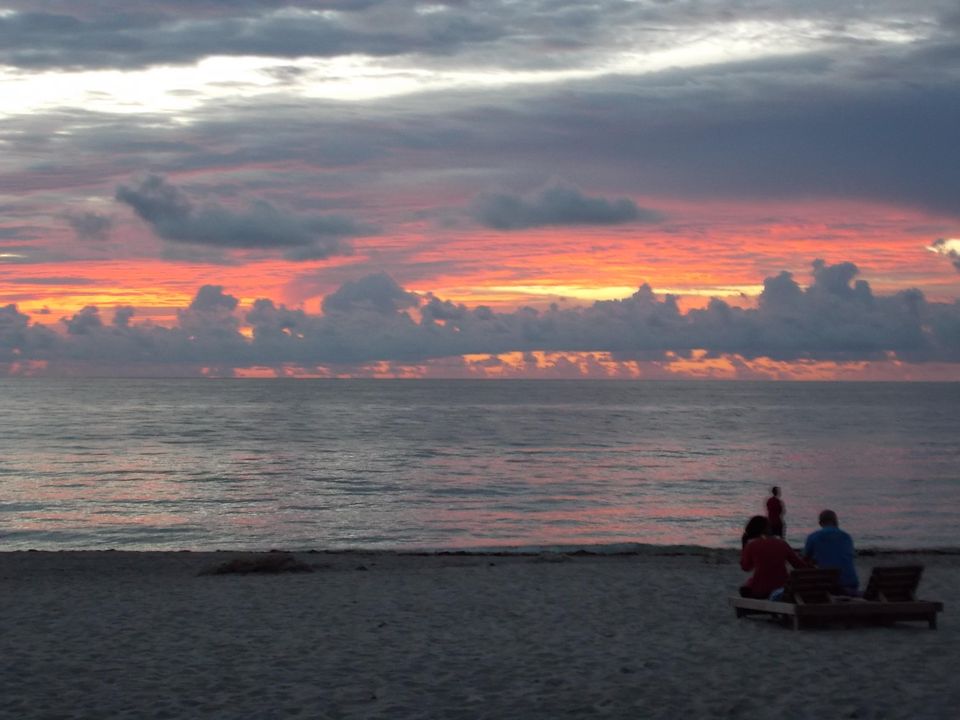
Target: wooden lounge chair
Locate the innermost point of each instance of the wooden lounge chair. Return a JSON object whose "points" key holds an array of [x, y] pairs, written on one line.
{"points": [[893, 584], [808, 595], [891, 595], [808, 592]]}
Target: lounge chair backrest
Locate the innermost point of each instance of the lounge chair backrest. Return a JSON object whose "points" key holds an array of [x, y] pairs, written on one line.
{"points": [[811, 586], [894, 584]]}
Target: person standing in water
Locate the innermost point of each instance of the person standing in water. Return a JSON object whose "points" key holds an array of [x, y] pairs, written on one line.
{"points": [[775, 512]]}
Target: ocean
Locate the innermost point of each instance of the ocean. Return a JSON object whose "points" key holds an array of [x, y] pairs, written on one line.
{"points": [[206, 464]]}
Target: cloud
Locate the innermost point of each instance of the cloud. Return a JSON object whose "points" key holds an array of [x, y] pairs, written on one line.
{"points": [[378, 293], [949, 247], [538, 34], [52, 280], [556, 205], [210, 323], [85, 322], [90, 225], [13, 329], [172, 216], [35, 254], [844, 118], [372, 319], [122, 316], [856, 105], [769, 130], [82, 37], [19, 340], [835, 318], [17, 233], [212, 299]]}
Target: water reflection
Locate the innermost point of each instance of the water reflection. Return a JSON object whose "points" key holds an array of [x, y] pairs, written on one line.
{"points": [[204, 464]]}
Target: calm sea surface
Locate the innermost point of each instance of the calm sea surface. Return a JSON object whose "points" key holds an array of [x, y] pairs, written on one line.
{"points": [[258, 464]]}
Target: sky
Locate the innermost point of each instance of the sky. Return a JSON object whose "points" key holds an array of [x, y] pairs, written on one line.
{"points": [[765, 189]]}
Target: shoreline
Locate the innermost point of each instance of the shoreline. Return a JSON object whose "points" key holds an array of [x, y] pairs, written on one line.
{"points": [[612, 550]]}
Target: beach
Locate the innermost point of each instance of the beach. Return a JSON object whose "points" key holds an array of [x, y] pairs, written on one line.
{"points": [[647, 634]]}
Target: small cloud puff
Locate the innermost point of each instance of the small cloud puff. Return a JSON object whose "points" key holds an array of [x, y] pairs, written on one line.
{"points": [[90, 225]]}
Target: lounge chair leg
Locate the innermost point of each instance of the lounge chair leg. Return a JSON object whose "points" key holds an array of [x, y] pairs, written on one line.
{"points": [[796, 622], [932, 620]]}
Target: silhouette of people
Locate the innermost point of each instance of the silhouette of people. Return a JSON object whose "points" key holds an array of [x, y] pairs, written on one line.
{"points": [[767, 556], [775, 512], [831, 547]]}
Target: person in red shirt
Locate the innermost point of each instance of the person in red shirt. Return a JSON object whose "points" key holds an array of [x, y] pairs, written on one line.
{"points": [[775, 512], [767, 556]]}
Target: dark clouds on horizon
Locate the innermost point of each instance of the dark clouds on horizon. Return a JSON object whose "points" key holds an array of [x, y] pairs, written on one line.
{"points": [[837, 318]]}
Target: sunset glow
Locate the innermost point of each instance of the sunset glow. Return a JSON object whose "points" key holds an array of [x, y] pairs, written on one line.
{"points": [[501, 164]]}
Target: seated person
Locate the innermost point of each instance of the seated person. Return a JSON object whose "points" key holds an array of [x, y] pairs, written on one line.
{"points": [[767, 556], [756, 526], [831, 547]]}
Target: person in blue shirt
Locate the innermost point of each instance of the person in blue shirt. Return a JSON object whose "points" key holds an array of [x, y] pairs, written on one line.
{"points": [[831, 547]]}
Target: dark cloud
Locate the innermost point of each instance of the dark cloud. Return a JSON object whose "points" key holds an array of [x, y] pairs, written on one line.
{"points": [[719, 133], [210, 322], [122, 316], [174, 217], [90, 225], [736, 135], [212, 299], [66, 39], [476, 33], [14, 328], [837, 317], [85, 322], [20, 340], [855, 120], [378, 293], [556, 205]]}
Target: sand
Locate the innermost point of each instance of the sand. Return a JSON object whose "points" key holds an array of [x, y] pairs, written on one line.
{"points": [[649, 635]]}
